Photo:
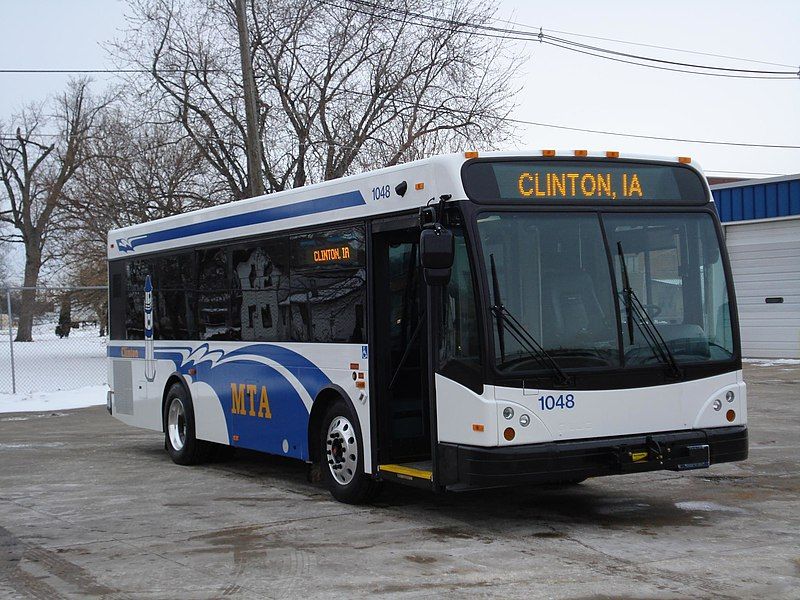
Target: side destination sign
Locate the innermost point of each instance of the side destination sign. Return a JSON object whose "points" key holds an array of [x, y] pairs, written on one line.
{"points": [[582, 181]]}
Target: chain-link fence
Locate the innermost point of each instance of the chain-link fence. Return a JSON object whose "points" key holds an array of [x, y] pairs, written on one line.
{"points": [[65, 338]]}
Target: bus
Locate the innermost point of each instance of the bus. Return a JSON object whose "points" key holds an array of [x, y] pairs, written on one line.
{"points": [[465, 321]]}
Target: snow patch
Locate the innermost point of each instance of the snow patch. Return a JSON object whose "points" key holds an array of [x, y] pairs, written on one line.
{"points": [[771, 362], [707, 506], [92, 395]]}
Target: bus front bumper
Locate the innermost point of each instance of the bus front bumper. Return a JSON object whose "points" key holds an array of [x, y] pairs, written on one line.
{"points": [[471, 467]]}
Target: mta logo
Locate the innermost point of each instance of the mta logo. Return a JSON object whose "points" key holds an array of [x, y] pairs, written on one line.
{"points": [[246, 397]]}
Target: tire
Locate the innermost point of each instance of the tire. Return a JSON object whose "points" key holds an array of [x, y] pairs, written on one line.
{"points": [[340, 442], [181, 444]]}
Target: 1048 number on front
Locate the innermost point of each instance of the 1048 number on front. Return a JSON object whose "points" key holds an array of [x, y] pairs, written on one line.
{"points": [[565, 401]]}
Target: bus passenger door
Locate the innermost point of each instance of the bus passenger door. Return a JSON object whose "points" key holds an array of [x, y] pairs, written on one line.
{"points": [[400, 340]]}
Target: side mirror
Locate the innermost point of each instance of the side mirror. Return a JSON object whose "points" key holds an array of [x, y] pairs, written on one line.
{"points": [[436, 252]]}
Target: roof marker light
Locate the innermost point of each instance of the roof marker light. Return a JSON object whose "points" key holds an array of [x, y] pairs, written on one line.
{"points": [[684, 159], [612, 154], [581, 152], [471, 154], [548, 152]]}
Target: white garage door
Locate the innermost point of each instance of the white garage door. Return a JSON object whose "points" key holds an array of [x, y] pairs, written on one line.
{"points": [[765, 259]]}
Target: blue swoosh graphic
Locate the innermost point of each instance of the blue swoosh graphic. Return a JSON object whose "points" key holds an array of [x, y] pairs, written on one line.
{"points": [[265, 215]]}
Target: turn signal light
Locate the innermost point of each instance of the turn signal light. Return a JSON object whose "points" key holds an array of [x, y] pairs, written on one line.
{"points": [[509, 434], [419, 186], [731, 416], [477, 427]]}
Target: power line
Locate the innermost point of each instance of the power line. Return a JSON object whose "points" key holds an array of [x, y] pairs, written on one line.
{"points": [[546, 125], [680, 64], [663, 68], [516, 34], [104, 71], [597, 131], [657, 47]]}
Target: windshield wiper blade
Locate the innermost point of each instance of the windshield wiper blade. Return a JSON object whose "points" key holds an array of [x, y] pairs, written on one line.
{"points": [[501, 337], [645, 324], [528, 343], [628, 291]]}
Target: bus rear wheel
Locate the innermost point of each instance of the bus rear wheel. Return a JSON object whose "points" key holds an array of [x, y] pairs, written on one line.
{"points": [[342, 457], [182, 445]]}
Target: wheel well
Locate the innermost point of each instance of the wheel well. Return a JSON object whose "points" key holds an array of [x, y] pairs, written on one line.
{"points": [[173, 379], [324, 399]]}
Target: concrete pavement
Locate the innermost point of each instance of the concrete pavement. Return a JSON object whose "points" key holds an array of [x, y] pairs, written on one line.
{"points": [[92, 508]]}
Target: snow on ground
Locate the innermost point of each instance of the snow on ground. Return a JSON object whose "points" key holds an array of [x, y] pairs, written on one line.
{"points": [[771, 362], [50, 363], [61, 400]]}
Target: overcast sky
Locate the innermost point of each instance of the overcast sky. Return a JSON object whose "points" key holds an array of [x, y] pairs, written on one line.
{"points": [[556, 86]]}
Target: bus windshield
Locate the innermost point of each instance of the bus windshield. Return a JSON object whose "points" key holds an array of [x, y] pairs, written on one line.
{"points": [[556, 275]]}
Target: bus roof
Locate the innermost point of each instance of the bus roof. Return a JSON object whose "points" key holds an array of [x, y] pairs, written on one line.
{"points": [[356, 196]]}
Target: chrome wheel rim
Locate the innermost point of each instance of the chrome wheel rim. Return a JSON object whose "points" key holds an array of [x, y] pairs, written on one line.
{"points": [[342, 449], [176, 424]]}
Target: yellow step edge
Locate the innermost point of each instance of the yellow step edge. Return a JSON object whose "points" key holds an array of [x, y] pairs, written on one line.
{"points": [[407, 471]]}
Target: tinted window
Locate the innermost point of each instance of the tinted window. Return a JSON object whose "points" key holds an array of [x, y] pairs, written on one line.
{"points": [[260, 297], [173, 297], [137, 271], [214, 314], [328, 282]]}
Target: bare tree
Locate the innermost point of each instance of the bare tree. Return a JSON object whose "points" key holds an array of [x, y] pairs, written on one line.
{"points": [[34, 173], [5, 267], [139, 172], [343, 86]]}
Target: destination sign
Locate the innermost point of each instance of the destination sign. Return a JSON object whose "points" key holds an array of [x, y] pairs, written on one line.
{"points": [[582, 181], [337, 248], [335, 254]]}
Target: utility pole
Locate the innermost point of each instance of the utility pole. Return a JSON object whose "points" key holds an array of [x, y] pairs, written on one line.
{"points": [[255, 179]]}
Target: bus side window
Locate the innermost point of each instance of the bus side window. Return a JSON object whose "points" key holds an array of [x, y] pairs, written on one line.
{"points": [[328, 286], [261, 271], [213, 294]]}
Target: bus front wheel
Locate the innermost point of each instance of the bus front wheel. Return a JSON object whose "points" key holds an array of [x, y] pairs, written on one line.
{"points": [[182, 445], [342, 457]]}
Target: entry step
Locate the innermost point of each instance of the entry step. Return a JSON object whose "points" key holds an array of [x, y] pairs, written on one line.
{"points": [[417, 473]]}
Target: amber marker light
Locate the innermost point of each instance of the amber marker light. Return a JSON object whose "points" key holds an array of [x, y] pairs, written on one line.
{"points": [[548, 152], [685, 160], [581, 152], [471, 154], [612, 154], [731, 416], [419, 186], [477, 427], [509, 433]]}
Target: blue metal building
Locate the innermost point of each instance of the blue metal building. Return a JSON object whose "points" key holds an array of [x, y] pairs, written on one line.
{"points": [[761, 219]]}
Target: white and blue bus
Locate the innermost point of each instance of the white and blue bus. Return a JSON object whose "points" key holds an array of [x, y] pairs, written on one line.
{"points": [[464, 321]]}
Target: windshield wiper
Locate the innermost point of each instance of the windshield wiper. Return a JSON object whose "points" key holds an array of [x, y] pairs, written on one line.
{"points": [[636, 313], [507, 321]]}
